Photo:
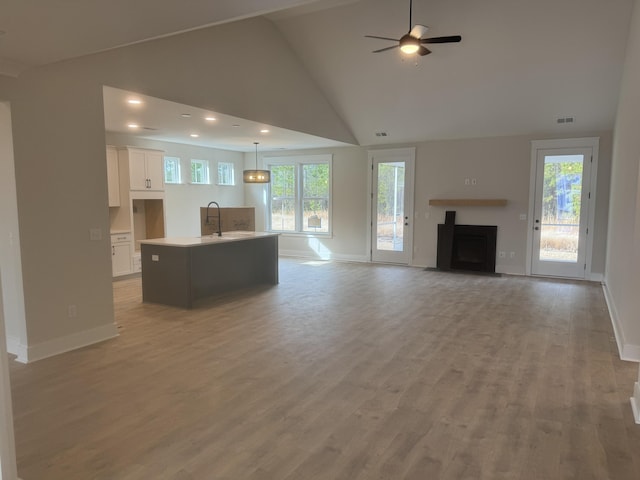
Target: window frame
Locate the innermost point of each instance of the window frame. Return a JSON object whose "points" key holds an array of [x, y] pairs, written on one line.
{"points": [[232, 167], [299, 161], [178, 170], [207, 173]]}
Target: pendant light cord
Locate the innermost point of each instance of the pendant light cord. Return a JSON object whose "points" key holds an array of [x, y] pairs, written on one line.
{"points": [[256, 144]]}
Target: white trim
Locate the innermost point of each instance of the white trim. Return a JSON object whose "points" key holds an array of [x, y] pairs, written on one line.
{"points": [[596, 277], [298, 161], [70, 342], [14, 347], [586, 142], [393, 154], [628, 352], [635, 403], [332, 256]]}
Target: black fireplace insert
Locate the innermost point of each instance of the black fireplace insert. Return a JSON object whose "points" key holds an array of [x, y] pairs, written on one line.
{"points": [[466, 247]]}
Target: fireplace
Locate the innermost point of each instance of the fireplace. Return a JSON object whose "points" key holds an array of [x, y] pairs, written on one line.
{"points": [[466, 247]]}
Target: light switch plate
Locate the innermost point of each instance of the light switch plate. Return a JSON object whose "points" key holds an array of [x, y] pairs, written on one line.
{"points": [[95, 234]]}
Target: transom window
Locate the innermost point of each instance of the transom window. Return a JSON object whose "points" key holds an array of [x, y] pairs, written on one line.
{"points": [[300, 194], [172, 170], [225, 173], [200, 172]]}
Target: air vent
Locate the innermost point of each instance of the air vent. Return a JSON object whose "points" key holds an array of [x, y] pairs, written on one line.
{"points": [[381, 134], [562, 120]]}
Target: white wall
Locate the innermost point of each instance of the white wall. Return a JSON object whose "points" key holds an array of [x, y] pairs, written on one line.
{"points": [[501, 167], [59, 149], [622, 277], [8, 467], [10, 258], [182, 202]]}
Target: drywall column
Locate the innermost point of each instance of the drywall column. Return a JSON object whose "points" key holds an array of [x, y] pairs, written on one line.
{"points": [[635, 400], [8, 468], [10, 256]]}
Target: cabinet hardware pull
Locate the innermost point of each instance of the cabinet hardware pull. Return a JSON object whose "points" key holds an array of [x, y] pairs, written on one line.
{"points": [[113, 250]]}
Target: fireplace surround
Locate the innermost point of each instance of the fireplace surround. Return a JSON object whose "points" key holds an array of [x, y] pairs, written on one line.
{"points": [[466, 247]]}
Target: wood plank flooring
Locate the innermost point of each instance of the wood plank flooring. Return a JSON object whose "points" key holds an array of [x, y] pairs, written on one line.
{"points": [[343, 371]]}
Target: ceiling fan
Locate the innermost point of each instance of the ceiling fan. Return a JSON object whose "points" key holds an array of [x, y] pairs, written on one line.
{"points": [[413, 41]]}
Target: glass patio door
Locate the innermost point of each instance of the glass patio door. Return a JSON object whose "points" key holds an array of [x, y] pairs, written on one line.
{"points": [[560, 222], [392, 205]]}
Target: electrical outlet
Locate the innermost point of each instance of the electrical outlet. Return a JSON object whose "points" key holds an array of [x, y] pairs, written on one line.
{"points": [[512, 254], [155, 258], [523, 216], [467, 181], [73, 311], [474, 181], [502, 254]]}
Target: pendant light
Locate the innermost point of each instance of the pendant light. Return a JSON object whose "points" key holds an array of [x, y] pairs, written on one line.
{"points": [[256, 176]]}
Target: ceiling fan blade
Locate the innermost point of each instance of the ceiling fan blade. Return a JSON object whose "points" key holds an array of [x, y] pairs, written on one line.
{"points": [[383, 38], [385, 49], [451, 39], [418, 31], [422, 51]]}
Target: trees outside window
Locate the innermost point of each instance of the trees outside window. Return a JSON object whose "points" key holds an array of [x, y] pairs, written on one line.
{"points": [[300, 194], [172, 170], [200, 172]]}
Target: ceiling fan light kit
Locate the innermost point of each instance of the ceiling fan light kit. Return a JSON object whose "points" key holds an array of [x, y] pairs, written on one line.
{"points": [[409, 44], [413, 41]]}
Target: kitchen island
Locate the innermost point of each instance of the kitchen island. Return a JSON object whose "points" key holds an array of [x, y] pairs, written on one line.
{"points": [[178, 271]]}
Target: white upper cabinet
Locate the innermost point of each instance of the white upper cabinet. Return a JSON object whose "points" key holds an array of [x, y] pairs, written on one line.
{"points": [[145, 169], [113, 179]]}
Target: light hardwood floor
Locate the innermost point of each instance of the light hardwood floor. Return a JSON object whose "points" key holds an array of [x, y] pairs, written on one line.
{"points": [[343, 371]]}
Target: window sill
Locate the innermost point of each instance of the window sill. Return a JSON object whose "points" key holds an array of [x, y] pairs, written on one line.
{"points": [[303, 234]]}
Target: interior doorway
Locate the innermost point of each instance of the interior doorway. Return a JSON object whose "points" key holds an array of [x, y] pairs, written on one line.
{"points": [[561, 207], [392, 174]]}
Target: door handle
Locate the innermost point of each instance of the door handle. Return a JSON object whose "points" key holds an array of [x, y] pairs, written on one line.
{"points": [[536, 228]]}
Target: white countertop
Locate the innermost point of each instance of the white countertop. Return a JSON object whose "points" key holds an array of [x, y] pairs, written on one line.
{"points": [[226, 237]]}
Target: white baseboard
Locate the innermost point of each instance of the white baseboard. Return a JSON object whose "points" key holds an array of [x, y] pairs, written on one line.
{"points": [[596, 277], [332, 256], [70, 342], [627, 351], [635, 403], [14, 347]]}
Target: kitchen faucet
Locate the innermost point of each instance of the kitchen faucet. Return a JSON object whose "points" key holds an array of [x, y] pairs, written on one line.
{"points": [[208, 216]]}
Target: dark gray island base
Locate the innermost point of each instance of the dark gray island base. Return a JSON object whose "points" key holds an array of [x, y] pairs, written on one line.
{"points": [[179, 271]]}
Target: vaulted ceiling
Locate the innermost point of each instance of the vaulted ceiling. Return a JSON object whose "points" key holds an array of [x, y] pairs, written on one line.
{"points": [[521, 65]]}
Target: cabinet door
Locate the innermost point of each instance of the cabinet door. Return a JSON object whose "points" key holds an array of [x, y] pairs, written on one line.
{"points": [[113, 179], [121, 258], [137, 170], [155, 170]]}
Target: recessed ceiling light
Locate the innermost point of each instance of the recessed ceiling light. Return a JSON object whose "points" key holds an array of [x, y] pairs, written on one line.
{"points": [[133, 125], [185, 115], [210, 118], [264, 130], [194, 135], [235, 125], [134, 101]]}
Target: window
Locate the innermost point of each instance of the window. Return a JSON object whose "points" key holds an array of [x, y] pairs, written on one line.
{"points": [[300, 192], [200, 172], [171, 170], [225, 173]]}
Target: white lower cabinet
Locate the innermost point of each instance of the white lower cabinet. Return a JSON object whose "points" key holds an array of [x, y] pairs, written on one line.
{"points": [[121, 254]]}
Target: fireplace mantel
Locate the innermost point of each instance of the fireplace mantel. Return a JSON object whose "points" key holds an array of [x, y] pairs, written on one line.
{"points": [[468, 202]]}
